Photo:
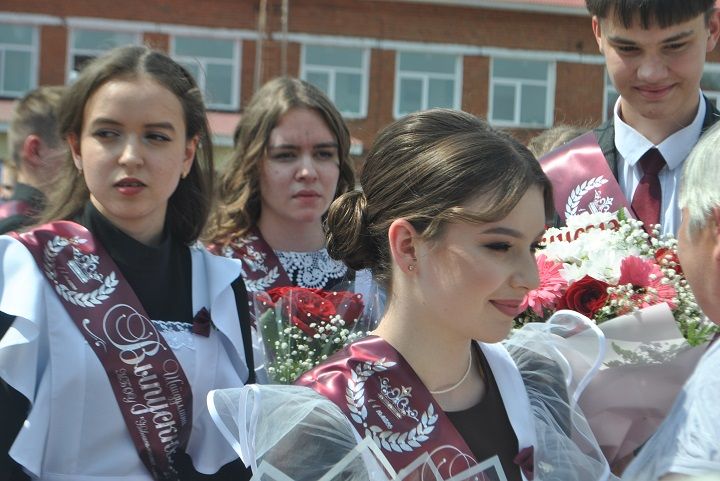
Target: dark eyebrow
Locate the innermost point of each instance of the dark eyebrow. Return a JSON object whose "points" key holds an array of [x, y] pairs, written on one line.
{"points": [[103, 120], [154, 125], [679, 36], [505, 231], [509, 232], [323, 145], [674, 38], [161, 125]]}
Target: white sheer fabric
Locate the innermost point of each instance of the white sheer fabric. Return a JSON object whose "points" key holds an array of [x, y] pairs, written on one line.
{"points": [[304, 435], [557, 360]]}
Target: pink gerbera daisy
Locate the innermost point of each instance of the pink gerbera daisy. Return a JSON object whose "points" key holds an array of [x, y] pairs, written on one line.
{"points": [[552, 285], [647, 281]]}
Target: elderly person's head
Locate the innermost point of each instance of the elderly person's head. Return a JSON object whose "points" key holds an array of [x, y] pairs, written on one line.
{"points": [[699, 235]]}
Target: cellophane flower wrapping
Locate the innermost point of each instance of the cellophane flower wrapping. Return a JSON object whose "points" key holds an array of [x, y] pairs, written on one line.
{"points": [[606, 267], [292, 433], [300, 327]]}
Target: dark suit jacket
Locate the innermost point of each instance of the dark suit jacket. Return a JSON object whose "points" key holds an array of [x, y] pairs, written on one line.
{"points": [[606, 134], [23, 193]]}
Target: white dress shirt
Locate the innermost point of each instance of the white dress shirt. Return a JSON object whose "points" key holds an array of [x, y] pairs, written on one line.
{"points": [[631, 145], [687, 441]]}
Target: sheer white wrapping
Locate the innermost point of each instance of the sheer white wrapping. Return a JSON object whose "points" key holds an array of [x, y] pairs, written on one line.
{"points": [[557, 359], [293, 433]]}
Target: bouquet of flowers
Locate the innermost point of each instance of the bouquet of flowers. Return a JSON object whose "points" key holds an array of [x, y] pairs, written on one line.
{"points": [[300, 327], [631, 284], [605, 265]]}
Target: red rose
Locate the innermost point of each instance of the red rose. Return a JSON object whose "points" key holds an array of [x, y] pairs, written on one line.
{"points": [[585, 296], [277, 293], [302, 307], [348, 305], [668, 257]]}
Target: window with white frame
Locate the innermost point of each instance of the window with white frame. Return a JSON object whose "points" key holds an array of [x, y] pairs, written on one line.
{"points": [[86, 44], [611, 96], [522, 92], [215, 64], [340, 72], [18, 59], [710, 84], [427, 80]]}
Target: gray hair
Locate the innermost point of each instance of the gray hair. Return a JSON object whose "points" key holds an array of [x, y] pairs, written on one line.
{"points": [[700, 184]]}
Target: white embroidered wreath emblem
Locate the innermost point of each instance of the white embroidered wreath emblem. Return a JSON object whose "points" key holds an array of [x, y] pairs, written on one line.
{"points": [[82, 299], [579, 192], [389, 440]]}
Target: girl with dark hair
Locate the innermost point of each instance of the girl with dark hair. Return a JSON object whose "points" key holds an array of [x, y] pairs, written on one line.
{"points": [[116, 325]]}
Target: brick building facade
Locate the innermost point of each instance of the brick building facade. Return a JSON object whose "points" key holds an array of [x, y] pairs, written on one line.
{"points": [[524, 65]]}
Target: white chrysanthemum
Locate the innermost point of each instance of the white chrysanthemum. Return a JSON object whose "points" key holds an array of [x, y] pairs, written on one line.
{"points": [[585, 219]]}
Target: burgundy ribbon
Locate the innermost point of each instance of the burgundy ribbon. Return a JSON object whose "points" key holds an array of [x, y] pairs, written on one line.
{"points": [[383, 397], [257, 257], [582, 180], [526, 460], [150, 386], [201, 323]]}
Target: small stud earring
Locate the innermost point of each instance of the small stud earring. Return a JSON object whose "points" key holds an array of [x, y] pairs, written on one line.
{"points": [[411, 267]]}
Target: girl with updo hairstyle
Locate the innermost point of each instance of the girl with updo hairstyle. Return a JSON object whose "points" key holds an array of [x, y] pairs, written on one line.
{"points": [[291, 160], [449, 217]]}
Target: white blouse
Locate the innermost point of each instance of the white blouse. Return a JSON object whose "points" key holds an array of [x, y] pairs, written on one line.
{"points": [[74, 430]]}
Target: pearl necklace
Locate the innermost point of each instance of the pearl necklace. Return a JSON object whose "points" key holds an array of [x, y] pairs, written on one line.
{"points": [[457, 384]]}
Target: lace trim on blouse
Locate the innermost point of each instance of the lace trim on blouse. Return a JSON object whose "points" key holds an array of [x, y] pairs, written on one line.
{"points": [[311, 269], [177, 334]]}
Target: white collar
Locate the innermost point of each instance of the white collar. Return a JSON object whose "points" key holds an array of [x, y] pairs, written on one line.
{"points": [[631, 144], [513, 392], [212, 277]]}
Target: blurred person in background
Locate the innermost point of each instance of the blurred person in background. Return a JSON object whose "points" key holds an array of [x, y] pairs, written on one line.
{"points": [[36, 153]]}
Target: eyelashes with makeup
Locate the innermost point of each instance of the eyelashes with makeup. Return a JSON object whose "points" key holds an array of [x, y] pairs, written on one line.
{"points": [[506, 246]]}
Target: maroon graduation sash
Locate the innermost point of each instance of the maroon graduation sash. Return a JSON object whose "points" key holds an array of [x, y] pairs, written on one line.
{"points": [[150, 386], [384, 399], [581, 178], [262, 268], [11, 207]]}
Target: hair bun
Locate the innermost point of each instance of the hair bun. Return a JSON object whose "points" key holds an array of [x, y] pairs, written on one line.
{"points": [[348, 239]]}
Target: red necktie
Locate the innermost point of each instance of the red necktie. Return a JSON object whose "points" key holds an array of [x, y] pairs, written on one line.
{"points": [[647, 198]]}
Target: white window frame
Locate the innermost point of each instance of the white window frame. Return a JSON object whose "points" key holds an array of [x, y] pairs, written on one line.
{"points": [[425, 77], [72, 51], [549, 84], [363, 71], [235, 63], [33, 49]]}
